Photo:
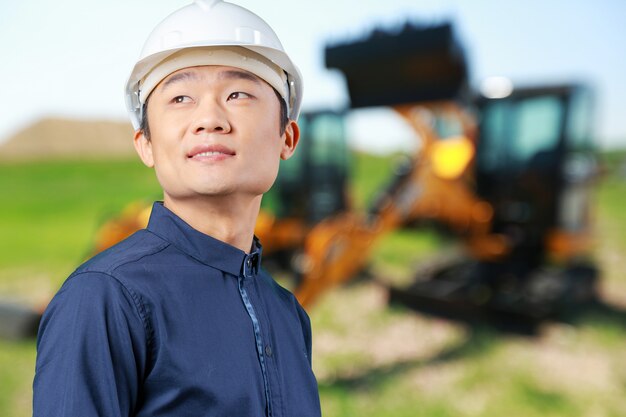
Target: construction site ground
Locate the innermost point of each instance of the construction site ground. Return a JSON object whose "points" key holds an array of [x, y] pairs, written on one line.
{"points": [[370, 359]]}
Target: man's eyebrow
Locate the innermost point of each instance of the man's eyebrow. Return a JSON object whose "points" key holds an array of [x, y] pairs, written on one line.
{"points": [[237, 74], [181, 76], [227, 74]]}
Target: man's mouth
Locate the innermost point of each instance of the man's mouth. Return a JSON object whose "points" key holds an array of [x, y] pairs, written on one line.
{"points": [[208, 154], [210, 151]]}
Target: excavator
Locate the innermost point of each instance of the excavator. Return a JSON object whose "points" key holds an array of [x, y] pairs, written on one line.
{"points": [[508, 174]]}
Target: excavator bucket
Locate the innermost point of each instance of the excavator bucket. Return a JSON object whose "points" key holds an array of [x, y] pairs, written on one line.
{"points": [[412, 65]]}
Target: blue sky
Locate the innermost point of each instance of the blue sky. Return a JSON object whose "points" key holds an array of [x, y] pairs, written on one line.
{"points": [[71, 57]]}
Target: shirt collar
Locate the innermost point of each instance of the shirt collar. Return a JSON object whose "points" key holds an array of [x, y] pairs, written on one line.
{"points": [[202, 247]]}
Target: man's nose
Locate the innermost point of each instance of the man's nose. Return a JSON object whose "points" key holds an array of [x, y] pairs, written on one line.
{"points": [[210, 118]]}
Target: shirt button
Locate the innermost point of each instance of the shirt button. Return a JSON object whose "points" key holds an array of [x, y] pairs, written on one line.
{"points": [[268, 350]]}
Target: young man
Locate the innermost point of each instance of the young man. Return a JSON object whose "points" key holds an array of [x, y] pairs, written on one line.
{"points": [[179, 320]]}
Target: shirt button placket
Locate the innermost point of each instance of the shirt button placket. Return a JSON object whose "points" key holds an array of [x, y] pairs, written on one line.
{"points": [[247, 273]]}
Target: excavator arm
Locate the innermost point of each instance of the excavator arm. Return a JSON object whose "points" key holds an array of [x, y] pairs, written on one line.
{"points": [[437, 188]]}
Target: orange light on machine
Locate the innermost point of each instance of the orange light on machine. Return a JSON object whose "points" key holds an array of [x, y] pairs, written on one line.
{"points": [[451, 156]]}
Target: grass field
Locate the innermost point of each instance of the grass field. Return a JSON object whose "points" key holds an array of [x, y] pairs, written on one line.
{"points": [[370, 360]]}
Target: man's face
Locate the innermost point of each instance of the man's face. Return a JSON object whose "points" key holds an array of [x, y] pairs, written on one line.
{"points": [[214, 131]]}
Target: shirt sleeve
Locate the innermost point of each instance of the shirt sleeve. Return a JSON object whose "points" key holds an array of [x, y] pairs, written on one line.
{"points": [[91, 350]]}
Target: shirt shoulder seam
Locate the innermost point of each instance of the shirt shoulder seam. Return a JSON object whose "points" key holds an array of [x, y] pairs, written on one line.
{"points": [[137, 302], [156, 250]]}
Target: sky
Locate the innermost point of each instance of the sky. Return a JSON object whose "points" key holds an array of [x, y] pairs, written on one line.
{"points": [[71, 58]]}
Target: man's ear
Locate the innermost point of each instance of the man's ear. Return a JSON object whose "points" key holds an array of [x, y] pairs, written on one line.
{"points": [[143, 146], [291, 138]]}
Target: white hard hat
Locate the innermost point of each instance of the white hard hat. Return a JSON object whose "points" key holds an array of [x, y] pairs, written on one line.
{"points": [[211, 23]]}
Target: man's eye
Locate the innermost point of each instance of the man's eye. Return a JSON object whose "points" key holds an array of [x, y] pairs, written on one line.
{"points": [[237, 95], [181, 99]]}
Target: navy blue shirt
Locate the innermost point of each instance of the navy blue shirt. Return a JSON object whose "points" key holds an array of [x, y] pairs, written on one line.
{"points": [[172, 322]]}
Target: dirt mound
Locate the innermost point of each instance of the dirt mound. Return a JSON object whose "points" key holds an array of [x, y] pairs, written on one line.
{"points": [[69, 139]]}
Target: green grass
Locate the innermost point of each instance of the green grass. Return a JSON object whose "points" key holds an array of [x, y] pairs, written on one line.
{"points": [[17, 361], [611, 194], [50, 211], [611, 197]]}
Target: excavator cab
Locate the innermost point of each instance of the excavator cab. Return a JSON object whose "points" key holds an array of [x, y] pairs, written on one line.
{"points": [[534, 165], [312, 184]]}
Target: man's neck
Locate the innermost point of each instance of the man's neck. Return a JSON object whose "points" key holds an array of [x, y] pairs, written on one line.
{"points": [[229, 219]]}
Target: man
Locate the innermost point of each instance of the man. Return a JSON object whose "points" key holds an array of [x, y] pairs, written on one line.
{"points": [[178, 320]]}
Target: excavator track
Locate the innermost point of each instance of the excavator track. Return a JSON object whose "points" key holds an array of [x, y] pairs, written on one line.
{"points": [[510, 297]]}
